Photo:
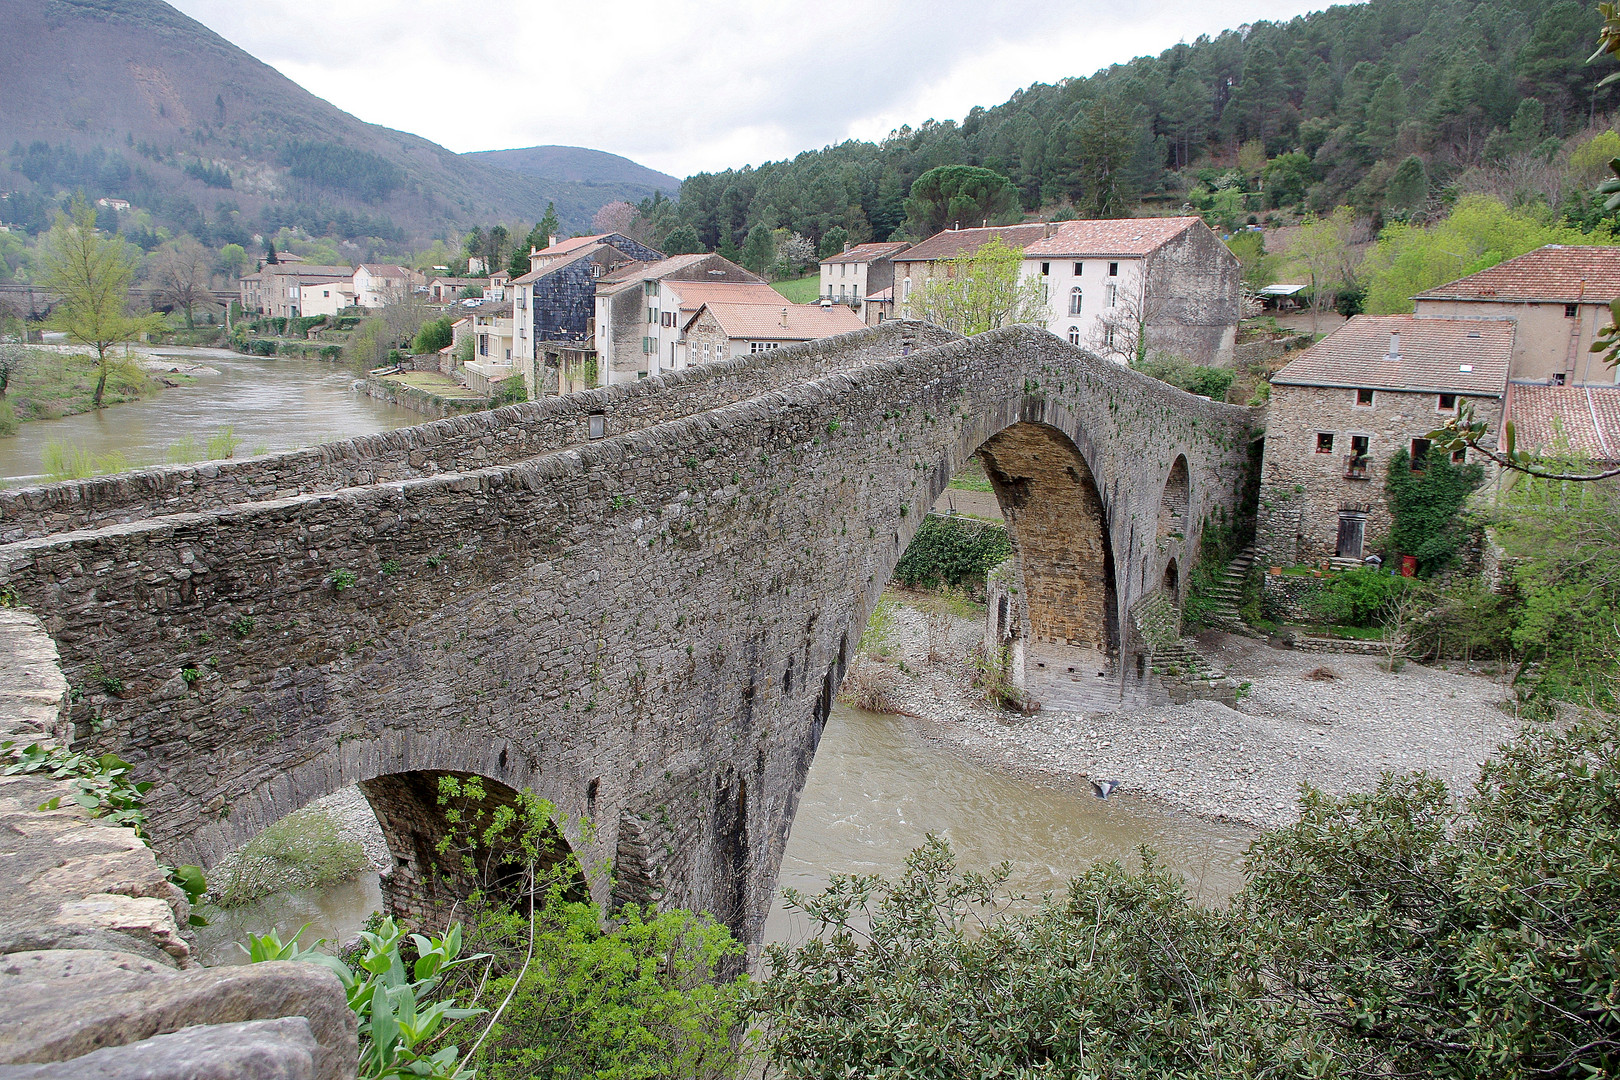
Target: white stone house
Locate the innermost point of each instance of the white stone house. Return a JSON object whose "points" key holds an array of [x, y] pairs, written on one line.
{"points": [[380, 284], [857, 272], [1132, 287], [720, 329]]}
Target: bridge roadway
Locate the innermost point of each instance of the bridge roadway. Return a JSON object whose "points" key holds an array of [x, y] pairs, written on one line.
{"points": [[636, 601]]}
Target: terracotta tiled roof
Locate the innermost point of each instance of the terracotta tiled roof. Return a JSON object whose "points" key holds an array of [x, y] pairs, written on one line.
{"points": [[763, 322], [640, 271], [953, 242], [1118, 236], [882, 295], [497, 309], [694, 294], [1585, 419], [1463, 356], [385, 270], [1555, 273], [861, 253]]}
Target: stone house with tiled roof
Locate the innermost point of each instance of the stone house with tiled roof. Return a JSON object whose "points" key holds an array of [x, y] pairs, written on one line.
{"points": [[1583, 420], [380, 284], [642, 308], [1377, 385], [1558, 295], [1137, 287], [720, 329], [916, 265], [857, 272]]}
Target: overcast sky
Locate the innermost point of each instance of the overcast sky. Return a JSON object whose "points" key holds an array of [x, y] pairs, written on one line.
{"points": [[689, 85]]}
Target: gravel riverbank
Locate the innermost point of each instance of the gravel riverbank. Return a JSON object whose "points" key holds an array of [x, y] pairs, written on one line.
{"points": [[1337, 722]]}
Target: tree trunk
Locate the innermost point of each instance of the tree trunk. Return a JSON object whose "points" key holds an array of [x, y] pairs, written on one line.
{"points": [[101, 383]]}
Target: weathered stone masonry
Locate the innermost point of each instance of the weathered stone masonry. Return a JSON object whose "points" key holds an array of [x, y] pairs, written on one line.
{"points": [[648, 629]]}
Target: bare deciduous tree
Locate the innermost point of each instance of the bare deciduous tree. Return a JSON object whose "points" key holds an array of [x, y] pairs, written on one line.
{"points": [[182, 271]]}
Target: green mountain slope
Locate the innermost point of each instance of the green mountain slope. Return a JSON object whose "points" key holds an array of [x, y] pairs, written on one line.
{"points": [[579, 165], [1392, 105], [132, 99]]}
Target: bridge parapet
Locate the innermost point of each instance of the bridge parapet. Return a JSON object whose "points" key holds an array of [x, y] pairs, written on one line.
{"points": [[495, 437]]}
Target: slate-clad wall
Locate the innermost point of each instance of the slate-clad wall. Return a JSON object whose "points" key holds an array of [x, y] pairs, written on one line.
{"points": [[648, 630]]}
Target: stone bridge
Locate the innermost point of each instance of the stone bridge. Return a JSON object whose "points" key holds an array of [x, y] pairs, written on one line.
{"points": [[637, 601]]}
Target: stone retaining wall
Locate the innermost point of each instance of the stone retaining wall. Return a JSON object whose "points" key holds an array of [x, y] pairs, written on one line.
{"points": [[95, 969]]}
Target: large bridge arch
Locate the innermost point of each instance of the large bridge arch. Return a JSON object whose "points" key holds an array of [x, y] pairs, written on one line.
{"points": [[650, 626]]}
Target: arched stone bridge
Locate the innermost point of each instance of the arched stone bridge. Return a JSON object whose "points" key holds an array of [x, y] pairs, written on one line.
{"points": [[637, 601]]}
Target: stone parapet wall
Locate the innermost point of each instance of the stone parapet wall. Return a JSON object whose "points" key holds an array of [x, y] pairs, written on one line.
{"points": [[1287, 597], [458, 444], [96, 969]]}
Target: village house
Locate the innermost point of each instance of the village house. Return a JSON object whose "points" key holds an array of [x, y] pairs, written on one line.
{"points": [[1558, 295], [555, 301], [1377, 385], [276, 289], [445, 290], [492, 331], [1579, 420], [916, 265], [1111, 283], [878, 308], [641, 310], [718, 329], [380, 284], [326, 297], [853, 275]]}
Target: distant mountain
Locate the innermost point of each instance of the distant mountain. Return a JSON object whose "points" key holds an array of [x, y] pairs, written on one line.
{"points": [[578, 165], [132, 99]]}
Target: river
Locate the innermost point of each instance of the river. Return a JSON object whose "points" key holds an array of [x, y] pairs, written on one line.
{"points": [[876, 789], [270, 403]]}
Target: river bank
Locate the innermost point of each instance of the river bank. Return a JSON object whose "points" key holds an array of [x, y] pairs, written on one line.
{"points": [[1336, 722]]}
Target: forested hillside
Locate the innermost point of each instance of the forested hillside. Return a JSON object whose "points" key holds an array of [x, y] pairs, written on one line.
{"points": [[1387, 106], [133, 100]]}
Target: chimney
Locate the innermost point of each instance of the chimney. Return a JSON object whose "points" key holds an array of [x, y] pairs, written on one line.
{"points": [[784, 318], [551, 241], [847, 246], [1394, 345]]}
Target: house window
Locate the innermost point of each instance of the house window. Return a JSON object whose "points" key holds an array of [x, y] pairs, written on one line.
{"points": [[1558, 378], [1113, 269], [1448, 403], [1571, 311], [1364, 397], [761, 346], [1324, 442], [483, 345], [1108, 337], [1078, 267], [1046, 269], [1420, 454], [1110, 295], [1074, 335], [1075, 297], [1355, 464]]}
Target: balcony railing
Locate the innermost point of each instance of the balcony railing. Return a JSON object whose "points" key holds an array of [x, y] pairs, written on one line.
{"points": [[1355, 466]]}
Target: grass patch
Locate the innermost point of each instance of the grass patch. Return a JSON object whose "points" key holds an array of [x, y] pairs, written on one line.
{"points": [[971, 478], [433, 382], [51, 385], [801, 290], [301, 851]]}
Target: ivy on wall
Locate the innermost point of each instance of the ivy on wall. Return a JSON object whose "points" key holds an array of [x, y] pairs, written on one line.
{"points": [[1426, 507], [952, 551]]}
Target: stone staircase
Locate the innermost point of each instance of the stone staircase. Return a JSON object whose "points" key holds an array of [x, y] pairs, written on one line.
{"points": [[1228, 593], [1159, 625]]}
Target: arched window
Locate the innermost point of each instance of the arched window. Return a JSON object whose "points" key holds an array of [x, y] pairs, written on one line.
{"points": [[1074, 335], [1074, 300]]}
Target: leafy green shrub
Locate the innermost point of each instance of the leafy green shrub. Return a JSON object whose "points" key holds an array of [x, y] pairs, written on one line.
{"points": [[1361, 597], [642, 999], [1211, 382], [1425, 507], [434, 335], [222, 444], [1390, 933], [262, 347], [510, 391], [949, 551], [8, 418], [301, 851]]}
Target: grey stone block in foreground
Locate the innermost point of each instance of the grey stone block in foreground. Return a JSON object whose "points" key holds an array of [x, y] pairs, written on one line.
{"points": [[280, 1049]]}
